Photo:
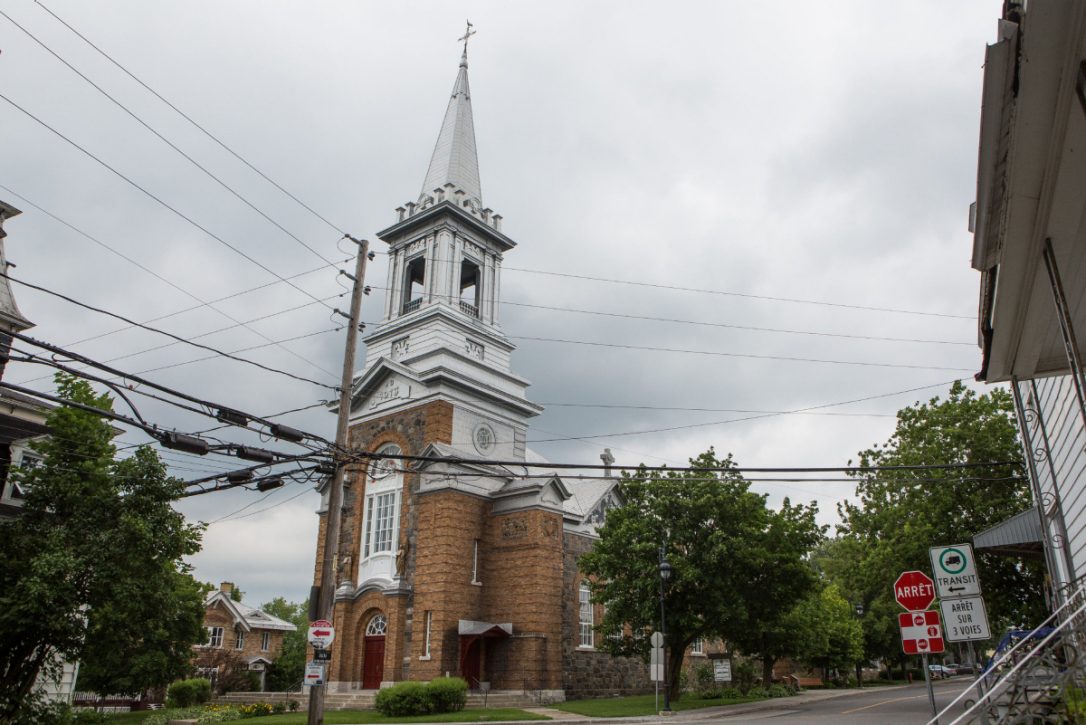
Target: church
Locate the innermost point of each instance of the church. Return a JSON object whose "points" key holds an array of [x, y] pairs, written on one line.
{"points": [[460, 567]]}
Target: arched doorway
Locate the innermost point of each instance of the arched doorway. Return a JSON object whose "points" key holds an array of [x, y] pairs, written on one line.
{"points": [[373, 654]]}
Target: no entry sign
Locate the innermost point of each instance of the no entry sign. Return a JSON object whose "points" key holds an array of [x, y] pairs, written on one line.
{"points": [[920, 633], [914, 590]]}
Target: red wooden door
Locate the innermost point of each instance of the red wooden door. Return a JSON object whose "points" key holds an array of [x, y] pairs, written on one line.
{"points": [[373, 663], [470, 671]]}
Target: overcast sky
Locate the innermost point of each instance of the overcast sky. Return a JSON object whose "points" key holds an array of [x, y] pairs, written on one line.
{"points": [[802, 171]]}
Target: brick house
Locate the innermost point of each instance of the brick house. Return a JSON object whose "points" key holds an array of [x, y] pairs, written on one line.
{"points": [[238, 631], [461, 565]]}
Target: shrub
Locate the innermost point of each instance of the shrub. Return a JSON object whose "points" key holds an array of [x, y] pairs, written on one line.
{"points": [[186, 693], [292, 706], [779, 691], [743, 672], [403, 698], [447, 694], [256, 709], [730, 693], [279, 707]]}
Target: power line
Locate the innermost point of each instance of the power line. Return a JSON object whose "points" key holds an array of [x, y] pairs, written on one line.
{"points": [[736, 294], [368, 455], [739, 420], [705, 410], [210, 303], [165, 140], [227, 355], [270, 343], [648, 348], [736, 327], [190, 120], [225, 413], [724, 325], [188, 219]]}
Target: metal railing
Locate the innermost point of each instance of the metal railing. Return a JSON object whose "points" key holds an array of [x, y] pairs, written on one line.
{"points": [[1032, 680]]}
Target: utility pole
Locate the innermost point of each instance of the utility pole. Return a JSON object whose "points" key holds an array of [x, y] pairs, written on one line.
{"points": [[329, 555]]}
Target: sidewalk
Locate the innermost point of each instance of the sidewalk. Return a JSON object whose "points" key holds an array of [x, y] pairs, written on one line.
{"points": [[704, 713]]}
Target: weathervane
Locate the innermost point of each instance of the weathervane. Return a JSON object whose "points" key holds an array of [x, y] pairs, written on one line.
{"points": [[467, 34]]}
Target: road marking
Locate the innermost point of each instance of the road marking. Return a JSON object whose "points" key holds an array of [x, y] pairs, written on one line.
{"points": [[884, 702]]}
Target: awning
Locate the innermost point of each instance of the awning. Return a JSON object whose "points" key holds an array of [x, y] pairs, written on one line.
{"points": [[471, 628], [1020, 535]]}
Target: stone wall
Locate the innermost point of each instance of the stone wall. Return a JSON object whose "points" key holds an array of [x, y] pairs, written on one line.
{"points": [[590, 672]]}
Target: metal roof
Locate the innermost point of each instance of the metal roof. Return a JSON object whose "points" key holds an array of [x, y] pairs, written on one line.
{"points": [[454, 160], [1020, 535]]}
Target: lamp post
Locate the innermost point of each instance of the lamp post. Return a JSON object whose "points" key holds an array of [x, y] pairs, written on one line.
{"points": [[665, 574], [859, 665]]}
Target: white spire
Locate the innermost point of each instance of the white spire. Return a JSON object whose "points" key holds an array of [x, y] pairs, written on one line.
{"points": [[455, 160]]}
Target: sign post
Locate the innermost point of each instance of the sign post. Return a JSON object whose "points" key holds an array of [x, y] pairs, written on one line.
{"points": [[656, 663], [921, 632]]}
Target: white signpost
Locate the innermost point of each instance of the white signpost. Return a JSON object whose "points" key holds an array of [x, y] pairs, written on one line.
{"points": [[656, 663], [722, 670], [965, 619], [314, 674], [955, 571]]}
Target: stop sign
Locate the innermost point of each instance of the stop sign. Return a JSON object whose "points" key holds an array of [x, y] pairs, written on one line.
{"points": [[914, 590]]}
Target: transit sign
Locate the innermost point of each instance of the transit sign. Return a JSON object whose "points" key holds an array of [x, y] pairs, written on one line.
{"points": [[914, 590], [920, 633], [321, 634], [955, 571], [966, 619]]}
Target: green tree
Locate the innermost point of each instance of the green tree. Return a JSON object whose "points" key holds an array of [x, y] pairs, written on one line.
{"points": [[93, 562], [286, 672], [785, 576], [829, 635], [718, 536], [901, 513]]}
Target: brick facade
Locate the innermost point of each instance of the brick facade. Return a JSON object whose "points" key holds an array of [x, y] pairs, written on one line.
{"points": [[525, 570]]}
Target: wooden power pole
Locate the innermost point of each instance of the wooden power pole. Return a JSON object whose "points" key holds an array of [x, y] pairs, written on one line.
{"points": [[329, 555]]}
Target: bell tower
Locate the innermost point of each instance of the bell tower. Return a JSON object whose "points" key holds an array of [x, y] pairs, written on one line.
{"points": [[440, 336]]}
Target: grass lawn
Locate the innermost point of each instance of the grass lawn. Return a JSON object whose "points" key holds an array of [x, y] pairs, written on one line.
{"points": [[639, 705], [352, 717]]}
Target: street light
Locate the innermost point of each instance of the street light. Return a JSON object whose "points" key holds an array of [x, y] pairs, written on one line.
{"points": [[665, 574]]}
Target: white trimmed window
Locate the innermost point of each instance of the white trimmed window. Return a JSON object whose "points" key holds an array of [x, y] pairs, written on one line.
{"points": [[475, 562], [697, 647], [381, 517], [265, 641], [239, 639], [214, 636], [429, 629], [586, 617]]}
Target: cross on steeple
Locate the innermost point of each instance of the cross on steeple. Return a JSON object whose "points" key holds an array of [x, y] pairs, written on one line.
{"points": [[467, 34]]}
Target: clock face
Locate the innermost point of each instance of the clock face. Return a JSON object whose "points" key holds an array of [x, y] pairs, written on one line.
{"points": [[484, 438]]}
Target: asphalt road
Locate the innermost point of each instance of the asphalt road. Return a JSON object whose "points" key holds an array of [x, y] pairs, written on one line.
{"points": [[905, 704]]}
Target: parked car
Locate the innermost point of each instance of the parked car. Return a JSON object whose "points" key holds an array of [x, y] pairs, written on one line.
{"points": [[938, 672], [954, 667]]}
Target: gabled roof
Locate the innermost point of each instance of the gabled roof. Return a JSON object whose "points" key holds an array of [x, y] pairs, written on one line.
{"points": [[454, 160], [246, 617]]}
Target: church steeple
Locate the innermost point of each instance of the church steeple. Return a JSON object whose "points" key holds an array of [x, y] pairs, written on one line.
{"points": [[454, 160]]}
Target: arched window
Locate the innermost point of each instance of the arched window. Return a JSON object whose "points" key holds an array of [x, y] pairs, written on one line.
{"points": [[378, 626], [381, 517], [414, 285]]}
